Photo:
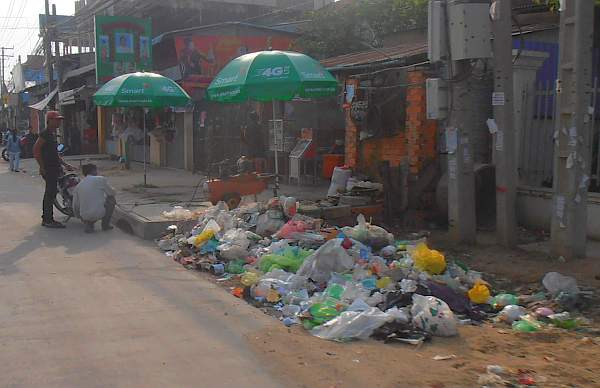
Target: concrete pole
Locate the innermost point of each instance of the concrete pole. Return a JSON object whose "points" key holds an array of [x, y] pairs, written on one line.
{"points": [[573, 129], [48, 49], [505, 149], [461, 178]]}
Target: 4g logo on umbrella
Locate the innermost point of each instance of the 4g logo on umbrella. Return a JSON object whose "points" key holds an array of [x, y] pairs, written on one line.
{"points": [[274, 72]]}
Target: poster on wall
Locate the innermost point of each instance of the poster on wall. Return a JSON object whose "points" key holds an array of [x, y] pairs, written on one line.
{"points": [[204, 56], [123, 45]]}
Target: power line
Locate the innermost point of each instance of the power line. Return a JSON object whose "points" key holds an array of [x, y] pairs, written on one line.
{"points": [[19, 14], [6, 21]]}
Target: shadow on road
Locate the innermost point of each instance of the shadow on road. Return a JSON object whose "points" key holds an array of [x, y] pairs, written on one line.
{"points": [[72, 239]]}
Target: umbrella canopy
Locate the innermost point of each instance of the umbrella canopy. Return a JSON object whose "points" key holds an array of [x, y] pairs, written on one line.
{"points": [[272, 76], [143, 90]]}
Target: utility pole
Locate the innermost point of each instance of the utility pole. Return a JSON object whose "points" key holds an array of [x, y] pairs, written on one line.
{"points": [[461, 177], [2, 57], [502, 100], [57, 60], [48, 48], [573, 129]]}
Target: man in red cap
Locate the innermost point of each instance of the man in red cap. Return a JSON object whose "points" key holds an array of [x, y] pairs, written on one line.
{"points": [[46, 153]]}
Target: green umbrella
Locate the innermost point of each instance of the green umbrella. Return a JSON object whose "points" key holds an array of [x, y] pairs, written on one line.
{"points": [[141, 90], [272, 76]]}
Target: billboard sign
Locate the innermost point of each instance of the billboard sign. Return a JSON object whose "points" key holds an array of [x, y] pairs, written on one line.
{"points": [[203, 56], [123, 45]]}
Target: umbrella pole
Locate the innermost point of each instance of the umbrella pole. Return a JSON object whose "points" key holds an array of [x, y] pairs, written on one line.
{"points": [[144, 146], [276, 189]]}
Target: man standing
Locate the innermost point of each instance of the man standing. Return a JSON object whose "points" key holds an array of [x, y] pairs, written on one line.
{"points": [[93, 199], [50, 162]]}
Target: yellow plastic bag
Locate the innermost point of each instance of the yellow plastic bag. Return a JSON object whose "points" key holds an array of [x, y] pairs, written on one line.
{"points": [[428, 260], [203, 237], [250, 278], [479, 294]]}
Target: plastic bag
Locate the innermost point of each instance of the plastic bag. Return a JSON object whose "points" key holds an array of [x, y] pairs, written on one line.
{"points": [[428, 260], [290, 260], [269, 223], [511, 313], [289, 206], [289, 229], [366, 233], [330, 257], [178, 213], [556, 283], [352, 324], [479, 294], [235, 245], [250, 278], [433, 316], [338, 180], [284, 280]]}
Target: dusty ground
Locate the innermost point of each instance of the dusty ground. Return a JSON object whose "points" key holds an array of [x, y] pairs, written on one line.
{"points": [[80, 311]]}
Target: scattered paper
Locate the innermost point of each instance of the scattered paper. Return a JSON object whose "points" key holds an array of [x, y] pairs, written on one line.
{"points": [[500, 141], [442, 358], [451, 140], [498, 98], [492, 126]]}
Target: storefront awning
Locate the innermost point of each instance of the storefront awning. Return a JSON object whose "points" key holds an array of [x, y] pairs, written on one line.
{"points": [[68, 97], [44, 103]]}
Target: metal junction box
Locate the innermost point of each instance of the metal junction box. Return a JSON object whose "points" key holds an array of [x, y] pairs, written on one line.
{"points": [[437, 98], [470, 30]]}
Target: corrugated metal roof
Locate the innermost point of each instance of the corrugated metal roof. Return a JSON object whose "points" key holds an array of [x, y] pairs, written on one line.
{"points": [[381, 55]]}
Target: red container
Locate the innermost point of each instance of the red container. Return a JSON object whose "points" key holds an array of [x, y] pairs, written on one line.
{"points": [[331, 161]]}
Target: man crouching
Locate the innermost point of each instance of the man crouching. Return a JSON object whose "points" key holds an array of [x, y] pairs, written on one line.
{"points": [[93, 199]]}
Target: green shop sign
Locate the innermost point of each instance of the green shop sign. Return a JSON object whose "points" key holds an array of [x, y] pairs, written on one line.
{"points": [[123, 45]]}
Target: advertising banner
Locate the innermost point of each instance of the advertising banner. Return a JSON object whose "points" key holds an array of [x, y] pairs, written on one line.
{"points": [[204, 56], [123, 45]]}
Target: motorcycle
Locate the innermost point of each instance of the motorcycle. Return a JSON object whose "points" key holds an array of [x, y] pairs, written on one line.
{"points": [[27, 142], [66, 185]]}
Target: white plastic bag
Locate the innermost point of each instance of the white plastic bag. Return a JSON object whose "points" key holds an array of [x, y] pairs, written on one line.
{"points": [[330, 257], [511, 313], [269, 223], [280, 279], [433, 315], [556, 283], [366, 233], [338, 180], [178, 213], [235, 245], [352, 324]]}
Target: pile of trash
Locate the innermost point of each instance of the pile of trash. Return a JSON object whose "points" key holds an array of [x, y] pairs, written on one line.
{"points": [[354, 282]]}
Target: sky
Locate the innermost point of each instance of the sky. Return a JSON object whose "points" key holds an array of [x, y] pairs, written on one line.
{"points": [[19, 26]]}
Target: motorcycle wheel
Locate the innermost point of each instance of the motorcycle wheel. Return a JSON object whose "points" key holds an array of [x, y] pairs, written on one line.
{"points": [[5, 154], [63, 205]]}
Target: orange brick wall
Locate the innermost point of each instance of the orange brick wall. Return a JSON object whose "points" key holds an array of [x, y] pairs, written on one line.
{"points": [[415, 144]]}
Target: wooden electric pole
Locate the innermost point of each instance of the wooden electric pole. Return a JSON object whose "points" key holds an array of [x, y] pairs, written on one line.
{"points": [[505, 148], [573, 129]]}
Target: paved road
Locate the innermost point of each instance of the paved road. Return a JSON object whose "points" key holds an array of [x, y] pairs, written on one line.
{"points": [[108, 310]]}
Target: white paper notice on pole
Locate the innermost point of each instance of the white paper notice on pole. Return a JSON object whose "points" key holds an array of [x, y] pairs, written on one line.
{"points": [[498, 98], [451, 140], [560, 207], [452, 168], [492, 125], [466, 151], [500, 141]]}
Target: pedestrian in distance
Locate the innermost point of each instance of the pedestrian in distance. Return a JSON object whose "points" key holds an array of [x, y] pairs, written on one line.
{"points": [[13, 146], [46, 153], [93, 199]]}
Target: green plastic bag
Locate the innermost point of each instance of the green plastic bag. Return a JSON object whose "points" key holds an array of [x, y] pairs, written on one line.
{"points": [[289, 260], [236, 267]]}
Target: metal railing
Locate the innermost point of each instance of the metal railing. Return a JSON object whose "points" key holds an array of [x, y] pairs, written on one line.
{"points": [[536, 141]]}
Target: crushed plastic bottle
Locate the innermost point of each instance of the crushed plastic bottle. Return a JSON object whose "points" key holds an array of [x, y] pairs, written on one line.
{"points": [[502, 300], [511, 313]]}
